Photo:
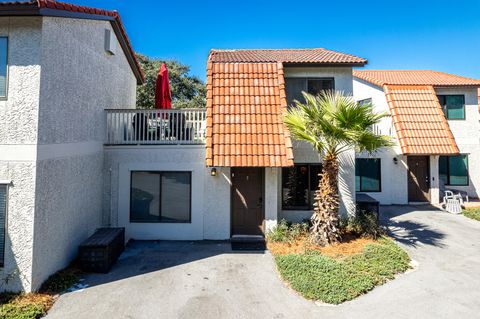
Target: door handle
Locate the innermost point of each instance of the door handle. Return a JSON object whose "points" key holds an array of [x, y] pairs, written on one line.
{"points": [[260, 202]]}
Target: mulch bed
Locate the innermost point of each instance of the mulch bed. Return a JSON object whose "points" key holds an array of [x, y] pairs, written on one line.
{"points": [[350, 245]]}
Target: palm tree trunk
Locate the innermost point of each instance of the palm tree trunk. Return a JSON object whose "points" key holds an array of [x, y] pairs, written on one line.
{"points": [[324, 229]]}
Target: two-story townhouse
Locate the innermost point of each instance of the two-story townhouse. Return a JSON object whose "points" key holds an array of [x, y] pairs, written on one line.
{"points": [[234, 170], [61, 65], [435, 124]]}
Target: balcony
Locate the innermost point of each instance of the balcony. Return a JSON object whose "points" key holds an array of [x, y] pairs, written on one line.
{"points": [[153, 126]]}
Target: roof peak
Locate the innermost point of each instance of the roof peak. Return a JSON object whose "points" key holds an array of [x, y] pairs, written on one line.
{"points": [[296, 56], [270, 49], [67, 10]]}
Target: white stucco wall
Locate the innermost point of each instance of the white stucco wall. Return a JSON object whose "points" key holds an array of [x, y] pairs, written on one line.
{"points": [[210, 201], [18, 138], [303, 153], [467, 136], [272, 194], [394, 175], [216, 192], [78, 81]]}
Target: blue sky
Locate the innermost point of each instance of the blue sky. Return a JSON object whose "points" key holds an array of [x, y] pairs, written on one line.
{"points": [[439, 35]]}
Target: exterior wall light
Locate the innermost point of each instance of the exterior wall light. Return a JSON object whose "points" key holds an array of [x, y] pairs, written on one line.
{"points": [[395, 160], [213, 172]]}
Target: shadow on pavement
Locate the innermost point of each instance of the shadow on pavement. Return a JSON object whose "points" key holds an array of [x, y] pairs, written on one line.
{"points": [[410, 232], [142, 257]]}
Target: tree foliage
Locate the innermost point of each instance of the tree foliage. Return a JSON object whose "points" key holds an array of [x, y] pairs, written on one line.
{"points": [[187, 91]]}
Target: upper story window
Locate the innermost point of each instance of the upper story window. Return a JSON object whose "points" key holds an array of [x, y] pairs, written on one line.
{"points": [[3, 66], [453, 106], [295, 86], [365, 102]]}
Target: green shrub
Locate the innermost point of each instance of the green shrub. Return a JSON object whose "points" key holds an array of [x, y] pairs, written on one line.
{"points": [[286, 232], [60, 281], [362, 224], [473, 213], [21, 311], [334, 281]]}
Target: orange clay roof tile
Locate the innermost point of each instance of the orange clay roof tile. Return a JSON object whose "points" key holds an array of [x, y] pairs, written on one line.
{"points": [[419, 121], [413, 77], [244, 115], [246, 100], [318, 55]]}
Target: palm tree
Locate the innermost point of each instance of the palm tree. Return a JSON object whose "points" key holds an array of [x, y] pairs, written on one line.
{"points": [[333, 123]]}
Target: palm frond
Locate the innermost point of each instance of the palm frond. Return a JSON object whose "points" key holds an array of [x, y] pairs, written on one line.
{"points": [[333, 122]]}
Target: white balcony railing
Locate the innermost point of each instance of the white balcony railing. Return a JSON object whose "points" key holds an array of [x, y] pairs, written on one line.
{"points": [[133, 126]]}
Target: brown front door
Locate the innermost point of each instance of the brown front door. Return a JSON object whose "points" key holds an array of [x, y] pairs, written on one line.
{"points": [[247, 201], [418, 179]]}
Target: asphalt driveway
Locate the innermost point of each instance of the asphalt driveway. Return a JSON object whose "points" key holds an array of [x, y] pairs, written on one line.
{"points": [[208, 280]]}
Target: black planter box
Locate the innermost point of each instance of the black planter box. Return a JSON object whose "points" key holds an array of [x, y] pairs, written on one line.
{"points": [[100, 251], [368, 204]]}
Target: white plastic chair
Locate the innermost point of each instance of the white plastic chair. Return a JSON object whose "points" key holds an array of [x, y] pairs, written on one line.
{"points": [[452, 202], [451, 195], [463, 195]]}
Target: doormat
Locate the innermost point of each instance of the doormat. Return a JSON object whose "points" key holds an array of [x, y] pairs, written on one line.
{"points": [[252, 246]]}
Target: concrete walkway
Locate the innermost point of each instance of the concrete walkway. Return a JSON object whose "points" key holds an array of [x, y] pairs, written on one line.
{"points": [[208, 280]]}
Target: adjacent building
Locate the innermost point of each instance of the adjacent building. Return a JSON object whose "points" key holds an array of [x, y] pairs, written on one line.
{"points": [[60, 67], [436, 125]]}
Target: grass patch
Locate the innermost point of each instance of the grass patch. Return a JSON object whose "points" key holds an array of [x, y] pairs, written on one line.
{"points": [[473, 213], [61, 281], [335, 280], [36, 305], [24, 306]]}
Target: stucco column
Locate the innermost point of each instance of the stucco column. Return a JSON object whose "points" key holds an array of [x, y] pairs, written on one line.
{"points": [[271, 197], [346, 183], [434, 180]]}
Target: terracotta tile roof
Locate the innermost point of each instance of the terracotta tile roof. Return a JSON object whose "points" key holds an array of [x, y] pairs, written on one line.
{"points": [[419, 121], [245, 105], [322, 56], [24, 7], [413, 77]]}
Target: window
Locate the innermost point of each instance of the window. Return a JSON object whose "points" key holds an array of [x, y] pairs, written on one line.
{"points": [[295, 86], [365, 102], [453, 106], [3, 66], [299, 184], [160, 197], [3, 222], [367, 175], [453, 170]]}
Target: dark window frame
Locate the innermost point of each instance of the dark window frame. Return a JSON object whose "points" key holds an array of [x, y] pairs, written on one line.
{"points": [[379, 172], [189, 221], [310, 200], [445, 109], [5, 98], [365, 101], [448, 170], [4, 244], [306, 79]]}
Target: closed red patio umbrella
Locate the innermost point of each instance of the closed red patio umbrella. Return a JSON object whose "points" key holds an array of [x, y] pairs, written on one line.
{"points": [[163, 95]]}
